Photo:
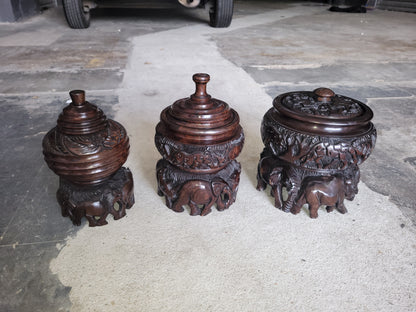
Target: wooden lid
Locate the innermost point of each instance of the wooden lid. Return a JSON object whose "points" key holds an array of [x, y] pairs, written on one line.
{"points": [[322, 112], [199, 119], [81, 117]]}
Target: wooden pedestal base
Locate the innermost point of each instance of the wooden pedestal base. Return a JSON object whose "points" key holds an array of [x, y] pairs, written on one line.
{"points": [[198, 191], [113, 196], [306, 186]]}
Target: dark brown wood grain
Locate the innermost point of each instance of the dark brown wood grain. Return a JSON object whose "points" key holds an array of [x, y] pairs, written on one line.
{"points": [[314, 142], [86, 150], [199, 138]]}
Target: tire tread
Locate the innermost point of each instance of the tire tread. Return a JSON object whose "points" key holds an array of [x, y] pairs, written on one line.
{"points": [[74, 14]]}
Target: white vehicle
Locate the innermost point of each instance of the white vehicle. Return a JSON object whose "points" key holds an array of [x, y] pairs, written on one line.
{"points": [[77, 12]]}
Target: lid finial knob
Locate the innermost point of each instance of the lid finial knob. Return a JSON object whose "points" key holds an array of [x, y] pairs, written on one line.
{"points": [[77, 97], [324, 94], [201, 81]]}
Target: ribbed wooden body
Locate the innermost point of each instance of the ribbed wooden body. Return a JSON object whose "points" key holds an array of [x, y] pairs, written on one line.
{"points": [[199, 138], [87, 150]]}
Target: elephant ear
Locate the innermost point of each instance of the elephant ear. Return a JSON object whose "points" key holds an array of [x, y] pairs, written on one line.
{"points": [[217, 187], [275, 176]]}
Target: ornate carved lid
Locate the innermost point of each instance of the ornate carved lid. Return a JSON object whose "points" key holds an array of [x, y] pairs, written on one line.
{"points": [[322, 112], [199, 119], [81, 117]]}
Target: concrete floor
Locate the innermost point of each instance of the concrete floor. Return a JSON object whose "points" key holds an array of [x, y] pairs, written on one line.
{"points": [[251, 257]]}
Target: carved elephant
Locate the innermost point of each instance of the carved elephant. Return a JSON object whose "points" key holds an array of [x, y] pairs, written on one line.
{"points": [[323, 190], [165, 183], [121, 200], [96, 212], [201, 195], [351, 183], [128, 191], [269, 172]]}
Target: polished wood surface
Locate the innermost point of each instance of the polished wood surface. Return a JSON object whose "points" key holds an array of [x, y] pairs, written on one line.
{"points": [[308, 137], [85, 150], [199, 138]]}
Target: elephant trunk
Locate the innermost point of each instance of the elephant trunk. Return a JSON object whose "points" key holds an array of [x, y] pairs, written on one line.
{"points": [[225, 199], [295, 178]]}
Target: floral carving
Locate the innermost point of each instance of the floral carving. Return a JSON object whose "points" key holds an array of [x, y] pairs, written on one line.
{"points": [[79, 145], [317, 152], [199, 157], [306, 103]]}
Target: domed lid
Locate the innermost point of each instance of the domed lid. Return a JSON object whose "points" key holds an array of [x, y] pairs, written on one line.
{"points": [[322, 112], [81, 117], [199, 119]]}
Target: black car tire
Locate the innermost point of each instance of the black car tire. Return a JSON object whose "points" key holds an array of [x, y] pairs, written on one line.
{"points": [[221, 13], [75, 15]]}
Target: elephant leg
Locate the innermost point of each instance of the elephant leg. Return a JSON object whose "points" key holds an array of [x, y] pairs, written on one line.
{"points": [[168, 202], [177, 206], [313, 211], [76, 215], [207, 207], [195, 210], [295, 208], [298, 204], [97, 220], [261, 185], [313, 204], [341, 208], [131, 201], [277, 194], [330, 208]]}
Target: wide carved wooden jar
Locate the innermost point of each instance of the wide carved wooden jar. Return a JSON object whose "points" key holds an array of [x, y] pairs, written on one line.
{"points": [[314, 142], [87, 151], [199, 138]]}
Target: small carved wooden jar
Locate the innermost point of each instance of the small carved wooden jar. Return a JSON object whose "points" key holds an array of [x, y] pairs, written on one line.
{"points": [[314, 142], [199, 138], [87, 151]]}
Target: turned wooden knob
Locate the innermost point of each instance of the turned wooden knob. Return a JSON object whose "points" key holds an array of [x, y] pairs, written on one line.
{"points": [[201, 81], [77, 97], [324, 94]]}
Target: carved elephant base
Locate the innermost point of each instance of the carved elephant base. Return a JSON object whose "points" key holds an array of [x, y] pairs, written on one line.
{"points": [[113, 196], [198, 191], [328, 187]]}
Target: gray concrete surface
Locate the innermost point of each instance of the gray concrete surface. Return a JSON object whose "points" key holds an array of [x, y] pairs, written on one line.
{"points": [[252, 257]]}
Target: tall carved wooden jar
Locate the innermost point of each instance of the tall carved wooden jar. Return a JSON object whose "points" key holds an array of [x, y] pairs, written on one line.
{"points": [[87, 151], [199, 138], [314, 142]]}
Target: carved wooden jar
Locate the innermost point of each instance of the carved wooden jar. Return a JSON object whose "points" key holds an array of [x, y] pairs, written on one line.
{"points": [[314, 142], [87, 151], [199, 138]]}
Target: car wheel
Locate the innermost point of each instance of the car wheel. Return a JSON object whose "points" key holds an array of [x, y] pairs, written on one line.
{"points": [[76, 15], [221, 13]]}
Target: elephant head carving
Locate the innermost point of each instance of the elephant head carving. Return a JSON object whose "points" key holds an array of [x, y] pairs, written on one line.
{"points": [[270, 172], [223, 193]]}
